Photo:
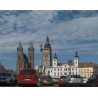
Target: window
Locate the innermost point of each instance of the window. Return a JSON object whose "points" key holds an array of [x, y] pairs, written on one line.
{"points": [[58, 74], [61, 69], [54, 73], [84, 70], [58, 69], [29, 72], [87, 69], [61, 74], [69, 69], [54, 63], [54, 69], [73, 73], [65, 69], [65, 73]]}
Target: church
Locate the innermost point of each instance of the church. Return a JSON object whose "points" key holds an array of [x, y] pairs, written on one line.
{"points": [[23, 61]]}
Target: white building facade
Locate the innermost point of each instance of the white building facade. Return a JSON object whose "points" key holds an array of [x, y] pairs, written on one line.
{"points": [[58, 70]]}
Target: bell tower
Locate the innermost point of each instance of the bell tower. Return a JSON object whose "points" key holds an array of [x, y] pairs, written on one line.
{"points": [[19, 60], [47, 54], [55, 61], [76, 59], [31, 55]]}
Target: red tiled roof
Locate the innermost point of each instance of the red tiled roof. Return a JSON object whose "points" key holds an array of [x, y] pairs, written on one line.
{"points": [[61, 64], [87, 64]]}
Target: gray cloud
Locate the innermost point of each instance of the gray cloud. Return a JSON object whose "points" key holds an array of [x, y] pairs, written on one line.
{"points": [[36, 25]]}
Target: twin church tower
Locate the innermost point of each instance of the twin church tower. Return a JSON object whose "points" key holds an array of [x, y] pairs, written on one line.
{"points": [[24, 61]]}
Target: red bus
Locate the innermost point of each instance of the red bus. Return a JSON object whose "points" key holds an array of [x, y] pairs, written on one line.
{"points": [[28, 76]]}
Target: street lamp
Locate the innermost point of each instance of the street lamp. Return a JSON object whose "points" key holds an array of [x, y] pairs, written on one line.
{"points": [[44, 70], [70, 61]]}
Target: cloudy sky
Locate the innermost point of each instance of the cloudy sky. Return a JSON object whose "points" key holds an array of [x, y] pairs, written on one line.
{"points": [[68, 31]]}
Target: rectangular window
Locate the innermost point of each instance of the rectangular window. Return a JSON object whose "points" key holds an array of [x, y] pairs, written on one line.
{"points": [[54, 63], [54, 69], [58, 74], [54, 73]]}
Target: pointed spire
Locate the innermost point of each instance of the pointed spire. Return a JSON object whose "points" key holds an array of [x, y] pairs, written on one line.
{"points": [[55, 56], [47, 40], [76, 54], [41, 47], [20, 45], [31, 45]]}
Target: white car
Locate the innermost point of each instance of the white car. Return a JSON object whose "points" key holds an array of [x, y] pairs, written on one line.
{"points": [[73, 79], [55, 80], [84, 79]]}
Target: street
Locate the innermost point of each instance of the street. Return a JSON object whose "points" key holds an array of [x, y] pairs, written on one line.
{"points": [[56, 85]]}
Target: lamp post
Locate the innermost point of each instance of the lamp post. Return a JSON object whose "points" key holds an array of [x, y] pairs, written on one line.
{"points": [[70, 61], [44, 70]]}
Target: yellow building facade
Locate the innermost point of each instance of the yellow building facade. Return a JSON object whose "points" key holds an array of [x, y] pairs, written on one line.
{"points": [[87, 69]]}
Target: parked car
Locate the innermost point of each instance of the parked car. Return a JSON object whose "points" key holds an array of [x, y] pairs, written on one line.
{"points": [[93, 79], [84, 79], [61, 81], [6, 78], [15, 78], [55, 80], [28, 76], [73, 79], [46, 81]]}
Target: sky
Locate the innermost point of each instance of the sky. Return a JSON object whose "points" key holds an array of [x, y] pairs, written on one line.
{"points": [[68, 31]]}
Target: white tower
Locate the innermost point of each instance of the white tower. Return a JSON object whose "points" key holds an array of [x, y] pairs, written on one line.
{"points": [[55, 61], [76, 59]]}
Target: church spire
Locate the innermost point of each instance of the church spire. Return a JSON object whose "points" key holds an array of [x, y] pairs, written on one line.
{"points": [[31, 45], [47, 40], [76, 54], [55, 56], [20, 45]]}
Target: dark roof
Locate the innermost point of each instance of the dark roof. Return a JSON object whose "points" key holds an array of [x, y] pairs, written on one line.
{"points": [[76, 54], [60, 64], [47, 45], [25, 57], [55, 56]]}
